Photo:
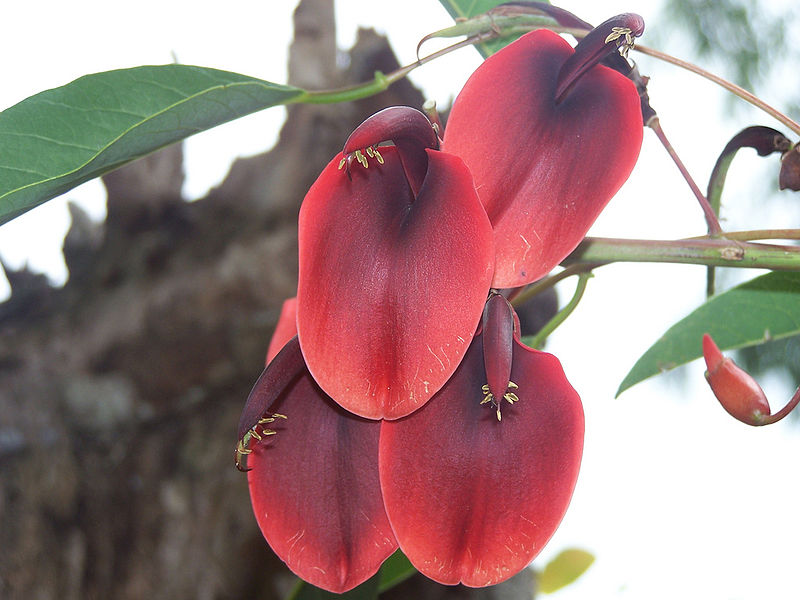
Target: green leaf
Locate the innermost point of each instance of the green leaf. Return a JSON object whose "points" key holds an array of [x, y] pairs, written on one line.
{"points": [[395, 570], [765, 308], [60, 138], [564, 569], [467, 9]]}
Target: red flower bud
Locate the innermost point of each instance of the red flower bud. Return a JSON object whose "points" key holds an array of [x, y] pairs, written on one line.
{"points": [[735, 389]]}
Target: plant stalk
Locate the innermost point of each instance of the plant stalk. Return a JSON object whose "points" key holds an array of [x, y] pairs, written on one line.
{"points": [[717, 252], [537, 341], [714, 227], [380, 82]]}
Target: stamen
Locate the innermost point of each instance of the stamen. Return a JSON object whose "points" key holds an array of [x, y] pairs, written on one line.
{"points": [[510, 397], [243, 446], [618, 32], [359, 156]]}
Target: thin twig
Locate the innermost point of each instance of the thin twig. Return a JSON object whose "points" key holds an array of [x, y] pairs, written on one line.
{"points": [[731, 87], [714, 227]]}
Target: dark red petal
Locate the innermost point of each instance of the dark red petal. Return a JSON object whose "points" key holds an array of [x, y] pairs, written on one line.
{"points": [[315, 491], [498, 331], [282, 370], [285, 330], [544, 171], [474, 500], [391, 288], [411, 132], [602, 41]]}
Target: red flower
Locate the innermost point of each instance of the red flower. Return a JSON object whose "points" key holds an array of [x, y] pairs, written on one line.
{"points": [[314, 488], [546, 165], [395, 264], [473, 465], [473, 498]]}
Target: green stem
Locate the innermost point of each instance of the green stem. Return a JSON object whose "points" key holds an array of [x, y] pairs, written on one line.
{"points": [[532, 290], [380, 83], [682, 251], [706, 251], [758, 234], [537, 341]]}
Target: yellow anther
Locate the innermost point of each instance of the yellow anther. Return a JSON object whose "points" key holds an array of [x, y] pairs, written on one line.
{"points": [[509, 396], [243, 446], [270, 419], [618, 32], [361, 158]]}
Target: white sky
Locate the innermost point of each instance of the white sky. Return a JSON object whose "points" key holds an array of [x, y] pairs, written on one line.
{"points": [[675, 499]]}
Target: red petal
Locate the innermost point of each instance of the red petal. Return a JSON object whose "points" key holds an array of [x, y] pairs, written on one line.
{"points": [[391, 288], [544, 171], [315, 491], [474, 500], [285, 330]]}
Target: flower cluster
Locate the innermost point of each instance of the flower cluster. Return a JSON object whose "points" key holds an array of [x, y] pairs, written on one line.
{"points": [[406, 411]]}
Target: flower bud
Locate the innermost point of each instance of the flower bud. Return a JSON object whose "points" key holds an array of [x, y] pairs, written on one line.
{"points": [[735, 389]]}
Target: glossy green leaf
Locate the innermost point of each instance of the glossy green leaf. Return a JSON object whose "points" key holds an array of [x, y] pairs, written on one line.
{"points": [[466, 9], [564, 569], [60, 138], [765, 308]]}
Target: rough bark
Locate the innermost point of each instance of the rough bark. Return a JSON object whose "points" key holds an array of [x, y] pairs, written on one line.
{"points": [[120, 392]]}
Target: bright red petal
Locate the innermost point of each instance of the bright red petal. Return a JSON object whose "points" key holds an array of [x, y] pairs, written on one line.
{"points": [[474, 500], [315, 491], [544, 171], [391, 287]]}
